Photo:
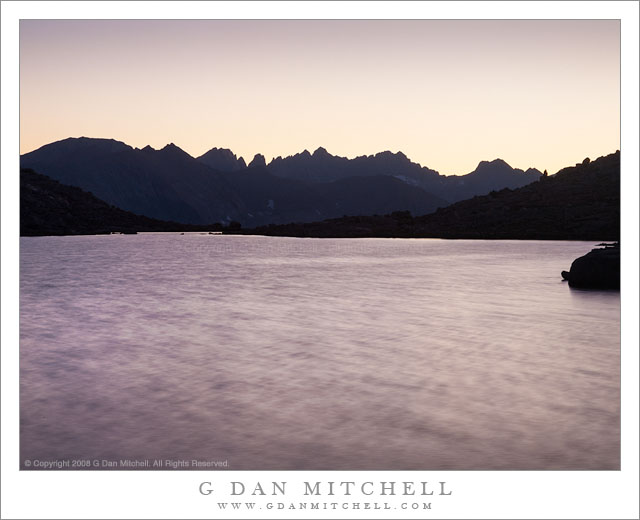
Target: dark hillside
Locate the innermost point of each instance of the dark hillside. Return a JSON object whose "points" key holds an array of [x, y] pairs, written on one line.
{"points": [[50, 208], [166, 184], [577, 203]]}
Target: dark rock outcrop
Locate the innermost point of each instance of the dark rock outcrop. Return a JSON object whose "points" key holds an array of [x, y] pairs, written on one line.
{"points": [[598, 269]]}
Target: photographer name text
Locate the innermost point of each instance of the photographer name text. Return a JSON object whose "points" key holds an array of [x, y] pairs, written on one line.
{"points": [[330, 488]]}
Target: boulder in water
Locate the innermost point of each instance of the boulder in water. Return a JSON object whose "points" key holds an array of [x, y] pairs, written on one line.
{"points": [[598, 269]]}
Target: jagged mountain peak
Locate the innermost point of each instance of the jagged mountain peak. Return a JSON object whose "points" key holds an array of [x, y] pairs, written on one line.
{"points": [[219, 151], [222, 159], [258, 161], [387, 154], [495, 162], [172, 150], [496, 168]]}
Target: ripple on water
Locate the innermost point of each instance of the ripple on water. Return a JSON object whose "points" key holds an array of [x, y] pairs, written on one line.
{"points": [[316, 354]]}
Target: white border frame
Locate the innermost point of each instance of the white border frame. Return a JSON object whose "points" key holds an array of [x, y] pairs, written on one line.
{"points": [[552, 494]]}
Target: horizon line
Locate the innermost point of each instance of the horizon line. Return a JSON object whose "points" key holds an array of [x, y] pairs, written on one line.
{"points": [[269, 160]]}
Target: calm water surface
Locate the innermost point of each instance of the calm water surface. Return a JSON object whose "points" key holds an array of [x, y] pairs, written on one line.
{"points": [[284, 353]]}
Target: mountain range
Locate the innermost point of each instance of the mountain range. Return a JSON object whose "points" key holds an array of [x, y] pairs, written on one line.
{"points": [[218, 187], [577, 203], [322, 167], [580, 202]]}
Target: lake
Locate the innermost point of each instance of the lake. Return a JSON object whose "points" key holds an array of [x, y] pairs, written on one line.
{"points": [[249, 353]]}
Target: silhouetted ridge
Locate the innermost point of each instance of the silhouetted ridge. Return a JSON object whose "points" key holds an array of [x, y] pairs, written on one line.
{"points": [[390, 156], [169, 184], [83, 145], [223, 160], [166, 184], [321, 167], [50, 208], [175, 151], [490, 167], [258, 161], [578, 203]]}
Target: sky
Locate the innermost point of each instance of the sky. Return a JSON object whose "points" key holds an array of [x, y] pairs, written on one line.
{"points": [[448, 94]]}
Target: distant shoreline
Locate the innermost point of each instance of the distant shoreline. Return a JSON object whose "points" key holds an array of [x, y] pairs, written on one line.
{"points": [[247, 234]]}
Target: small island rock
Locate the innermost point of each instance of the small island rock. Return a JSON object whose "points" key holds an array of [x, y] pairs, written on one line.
{"points": [[598, 269]]}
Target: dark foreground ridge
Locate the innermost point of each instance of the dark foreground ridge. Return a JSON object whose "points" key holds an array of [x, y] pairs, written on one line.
{"points": [[48, 207], [598, 269], [577, 203]]}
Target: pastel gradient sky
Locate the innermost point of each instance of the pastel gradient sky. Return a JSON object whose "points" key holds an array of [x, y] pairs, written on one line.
{"points": [[448, 94]]}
